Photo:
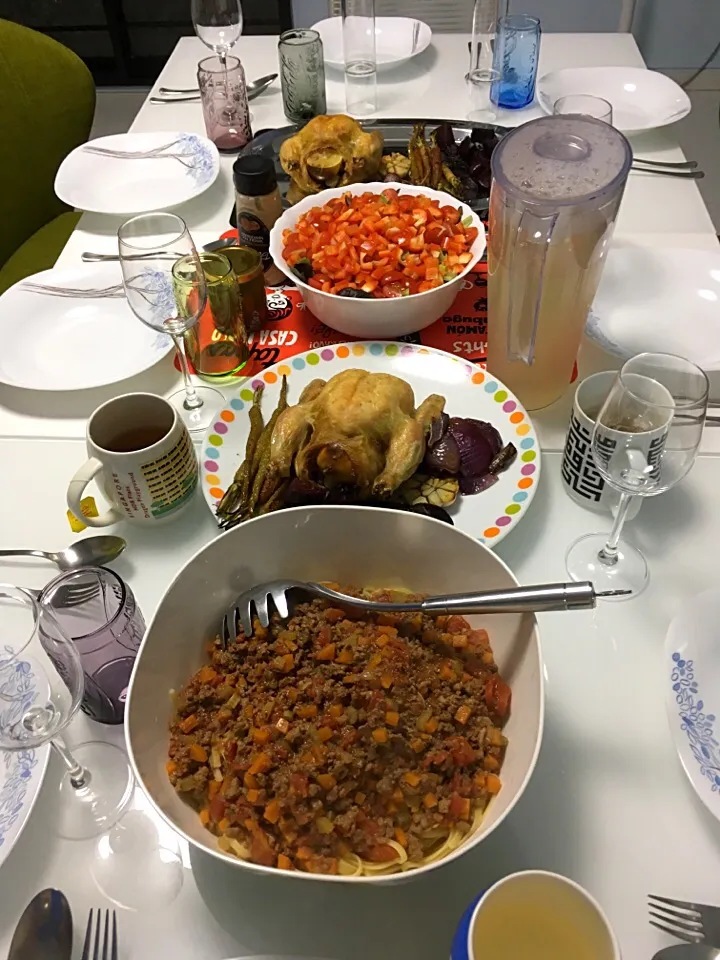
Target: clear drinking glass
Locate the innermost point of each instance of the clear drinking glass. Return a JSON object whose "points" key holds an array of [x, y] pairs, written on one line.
{"points": [[106, 627], [149, 245], [223, 95], [358, 24], [517, 49], [645, 440], [41, 688], [486, 14], [217, 343], [583, 105], [302, 74], [480, 83], [218, 23]]}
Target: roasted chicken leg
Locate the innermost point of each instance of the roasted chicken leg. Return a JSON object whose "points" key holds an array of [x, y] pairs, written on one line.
{"points": [[359, 429]]}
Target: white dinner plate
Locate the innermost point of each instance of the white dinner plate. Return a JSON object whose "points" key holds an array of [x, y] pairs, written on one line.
{"points": [[692, 693], [659, 298], [64, 343], [128, 186], [468, 390], [21, 775], [397, 40], [641, 99]]}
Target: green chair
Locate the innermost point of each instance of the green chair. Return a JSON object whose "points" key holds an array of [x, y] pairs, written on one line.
{"points": [[46, 110]]}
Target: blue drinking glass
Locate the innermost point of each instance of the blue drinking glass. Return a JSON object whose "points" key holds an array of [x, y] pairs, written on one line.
{"points": [[517, 47]]}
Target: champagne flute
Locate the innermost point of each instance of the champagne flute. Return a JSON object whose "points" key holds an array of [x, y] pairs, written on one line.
{"points": [[645, 440], [149, 245], [41, 687]]}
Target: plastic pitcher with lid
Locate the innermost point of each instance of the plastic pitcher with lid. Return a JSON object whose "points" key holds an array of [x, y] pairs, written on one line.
{"points": [[557, 186]]}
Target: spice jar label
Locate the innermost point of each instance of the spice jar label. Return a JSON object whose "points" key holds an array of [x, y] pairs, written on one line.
{"points": [[254, 234]]}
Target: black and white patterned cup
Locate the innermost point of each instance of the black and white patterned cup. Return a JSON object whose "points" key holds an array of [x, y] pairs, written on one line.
{"points": [[581, 477]]}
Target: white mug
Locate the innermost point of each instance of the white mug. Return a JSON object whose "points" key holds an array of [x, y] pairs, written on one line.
{"points": [[142, 457]]}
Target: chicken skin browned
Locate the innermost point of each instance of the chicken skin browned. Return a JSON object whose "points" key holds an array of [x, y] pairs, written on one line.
{"points": [[359, 429]]}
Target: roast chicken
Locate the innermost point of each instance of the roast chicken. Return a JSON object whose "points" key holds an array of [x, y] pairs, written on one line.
{"points": [[358, 429], [329, 152]]}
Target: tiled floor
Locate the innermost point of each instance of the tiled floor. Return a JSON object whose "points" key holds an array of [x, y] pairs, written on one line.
{"points": [[699, 133]]}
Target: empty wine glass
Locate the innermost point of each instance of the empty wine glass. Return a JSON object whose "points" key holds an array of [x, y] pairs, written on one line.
{"points": [[218, 23], [149, 245], [41, 687], [645, 440]]}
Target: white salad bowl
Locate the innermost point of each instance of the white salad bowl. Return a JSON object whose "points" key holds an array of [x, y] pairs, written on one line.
{"points": [[397, 40], [388, 548], [381, 319]]}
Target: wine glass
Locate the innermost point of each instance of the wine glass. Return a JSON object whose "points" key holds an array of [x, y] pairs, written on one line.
{"points": [[149, 245], [41, 687], [218, 23], [645, 440]]}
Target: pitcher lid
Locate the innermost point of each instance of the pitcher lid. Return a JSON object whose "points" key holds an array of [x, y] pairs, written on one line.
{"points": [[562, 160]]}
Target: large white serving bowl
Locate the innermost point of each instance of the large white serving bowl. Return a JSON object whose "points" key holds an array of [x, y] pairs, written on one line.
{"points": [[357, 545], [372, 319], [397, 40]]}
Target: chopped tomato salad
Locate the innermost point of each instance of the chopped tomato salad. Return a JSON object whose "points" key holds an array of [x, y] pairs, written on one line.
{"points": [[385, 244]]}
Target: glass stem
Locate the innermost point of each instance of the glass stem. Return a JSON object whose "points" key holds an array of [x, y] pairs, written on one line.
{"points": [[609, 553], [192, 400], [78, 775]]}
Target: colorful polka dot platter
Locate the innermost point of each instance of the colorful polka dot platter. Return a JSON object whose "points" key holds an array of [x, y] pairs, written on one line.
{"points": [[469, 391]]}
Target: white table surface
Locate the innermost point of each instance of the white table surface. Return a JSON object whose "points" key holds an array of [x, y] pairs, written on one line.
{"points": [[608, 804]]}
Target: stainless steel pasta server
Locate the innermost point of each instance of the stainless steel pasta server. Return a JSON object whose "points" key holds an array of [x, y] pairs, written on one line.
{"points": [[260, 601]]}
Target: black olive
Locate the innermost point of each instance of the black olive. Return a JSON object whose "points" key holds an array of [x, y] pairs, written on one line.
{"points": [[357, 294]]}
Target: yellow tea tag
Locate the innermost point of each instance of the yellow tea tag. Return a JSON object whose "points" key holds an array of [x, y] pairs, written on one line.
{"points": [[89, 510]]}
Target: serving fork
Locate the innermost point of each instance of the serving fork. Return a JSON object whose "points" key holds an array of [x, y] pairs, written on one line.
{"points": [[692, 922], [92, 948], [261, 600]]}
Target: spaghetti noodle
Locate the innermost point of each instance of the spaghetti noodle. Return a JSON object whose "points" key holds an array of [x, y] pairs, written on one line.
{"points": [[342, 743]]}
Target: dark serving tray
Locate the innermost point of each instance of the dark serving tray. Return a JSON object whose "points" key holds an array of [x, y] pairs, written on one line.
{"points": [[396, 134]]}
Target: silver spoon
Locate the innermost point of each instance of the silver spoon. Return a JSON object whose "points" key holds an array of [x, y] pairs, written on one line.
{"points": [[44, 929], [254, 89], [688, 951], [90, 552]]}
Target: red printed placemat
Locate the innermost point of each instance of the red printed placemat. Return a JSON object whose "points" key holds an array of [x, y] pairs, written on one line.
{"points": [[293, 329]]}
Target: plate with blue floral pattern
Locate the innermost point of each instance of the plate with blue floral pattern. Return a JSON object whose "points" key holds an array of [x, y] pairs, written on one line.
{"points": [[21, 775], [692, 687], [175, 168]]}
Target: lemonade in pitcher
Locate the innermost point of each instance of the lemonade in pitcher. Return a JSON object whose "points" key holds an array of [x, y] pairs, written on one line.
{"points": [[557, 186]]}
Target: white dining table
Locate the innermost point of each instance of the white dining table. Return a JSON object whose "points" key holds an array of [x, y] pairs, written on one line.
{"points": [[608, 805]]}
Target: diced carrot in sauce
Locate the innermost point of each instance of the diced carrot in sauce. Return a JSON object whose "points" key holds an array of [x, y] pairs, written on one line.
{"points": [[493, 783], [223, 825], [207, 674], [380, 735], [213, 788], [272, 812], [283, 862], [197, 753], [401, 836], [346, 655], [306, 710], [387, 631], [304, 853], [447, 671], [432, 725], [430, 800], [360, 798], [188, 724], [462, 714], [335, 710], [261, 764], [392, 718], [324, 733], [386, 681], [204, 816], [490, 763], [411, 778], [326, 653], [333, 615], [326, 780], [249, 780], [253, 796], [260, 734], [171, 767]]}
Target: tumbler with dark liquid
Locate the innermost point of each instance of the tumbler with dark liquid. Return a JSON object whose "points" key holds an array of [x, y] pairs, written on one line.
{"points": [[97, 609]]}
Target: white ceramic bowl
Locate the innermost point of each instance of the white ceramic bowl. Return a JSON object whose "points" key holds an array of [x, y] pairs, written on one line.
{"points": [[379, 319], [397, 40], [311, 543], [641, 99]]}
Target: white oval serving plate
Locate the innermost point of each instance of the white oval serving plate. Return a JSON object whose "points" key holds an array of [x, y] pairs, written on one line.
{"points": [[641, 99], [692, 693], [397, 40], [125, 186], [64, 343]]}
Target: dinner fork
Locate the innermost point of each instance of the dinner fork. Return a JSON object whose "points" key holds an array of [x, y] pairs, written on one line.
{"points": [[680, 174], [88, 293], [692, 922], [546, 597], [91, 950], [133, 154], [185, 159]]}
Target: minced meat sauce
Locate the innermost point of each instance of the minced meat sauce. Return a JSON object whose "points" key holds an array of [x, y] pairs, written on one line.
{"points": [[340, 734]]}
